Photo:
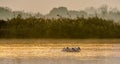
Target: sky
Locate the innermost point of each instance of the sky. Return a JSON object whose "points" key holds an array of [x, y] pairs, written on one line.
{"points": [[44, 6]]}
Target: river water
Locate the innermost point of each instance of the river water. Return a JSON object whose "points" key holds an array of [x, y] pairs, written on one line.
{"points": [[48, 52]]}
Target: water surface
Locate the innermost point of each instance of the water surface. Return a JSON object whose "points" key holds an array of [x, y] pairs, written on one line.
{"points": [[48, 51]]}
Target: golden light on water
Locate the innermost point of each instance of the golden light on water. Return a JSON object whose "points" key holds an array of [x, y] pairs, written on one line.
{"points": [[35, 51], [54, 50]]}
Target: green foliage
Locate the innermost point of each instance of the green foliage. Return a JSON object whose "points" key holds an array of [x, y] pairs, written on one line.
{"points": [[59, 28]]}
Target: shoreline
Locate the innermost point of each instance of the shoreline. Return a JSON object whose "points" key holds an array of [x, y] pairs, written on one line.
{"points": [[59, 41]]}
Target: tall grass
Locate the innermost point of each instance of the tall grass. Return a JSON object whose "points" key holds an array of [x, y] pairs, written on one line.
{"points": [[59, 28]]}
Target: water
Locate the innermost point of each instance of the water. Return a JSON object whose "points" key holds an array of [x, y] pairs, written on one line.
{"points": [[41, 51]]}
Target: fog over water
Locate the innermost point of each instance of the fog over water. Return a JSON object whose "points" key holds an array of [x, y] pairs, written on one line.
{"points": [[47, 52]]}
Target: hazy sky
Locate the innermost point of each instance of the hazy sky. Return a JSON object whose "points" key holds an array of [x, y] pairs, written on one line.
{"points": [[44, 6]]}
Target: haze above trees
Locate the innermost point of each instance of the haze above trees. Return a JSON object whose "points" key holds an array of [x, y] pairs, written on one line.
{"points": [[102, 12]]}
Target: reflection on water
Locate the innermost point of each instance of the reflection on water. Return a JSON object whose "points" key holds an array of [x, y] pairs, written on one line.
{"points": [[52, 54]]}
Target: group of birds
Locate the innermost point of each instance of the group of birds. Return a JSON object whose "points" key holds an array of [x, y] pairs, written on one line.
{"points": [[73, 49]]}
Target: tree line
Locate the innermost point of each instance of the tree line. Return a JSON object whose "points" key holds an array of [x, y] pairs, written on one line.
{"points": [[80, 27]]}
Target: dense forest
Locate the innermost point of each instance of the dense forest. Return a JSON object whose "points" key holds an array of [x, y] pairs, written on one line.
{"points": [[80, 27]]}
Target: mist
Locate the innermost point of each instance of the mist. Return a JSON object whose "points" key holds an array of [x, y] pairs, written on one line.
{"points": [[44, 6]]}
